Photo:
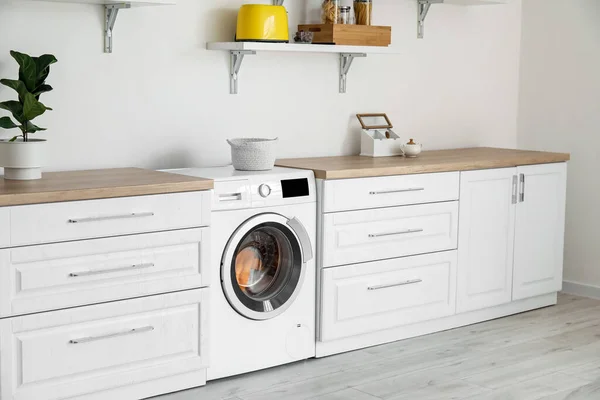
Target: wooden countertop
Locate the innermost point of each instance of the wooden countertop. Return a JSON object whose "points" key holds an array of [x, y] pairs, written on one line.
{"points": [[428, 161], [96, 184]]}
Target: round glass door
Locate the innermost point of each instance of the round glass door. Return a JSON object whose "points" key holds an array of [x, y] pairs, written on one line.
{"points": [[262, 268]]}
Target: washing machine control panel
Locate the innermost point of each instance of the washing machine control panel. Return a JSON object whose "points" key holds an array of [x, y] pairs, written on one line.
{"points": [[266, 192]]}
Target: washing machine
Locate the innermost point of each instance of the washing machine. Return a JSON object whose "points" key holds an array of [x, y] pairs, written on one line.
{"points": [[262, 291]]}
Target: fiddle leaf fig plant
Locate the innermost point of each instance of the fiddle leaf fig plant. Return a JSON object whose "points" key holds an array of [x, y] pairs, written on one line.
{"points": [[33, 72]]}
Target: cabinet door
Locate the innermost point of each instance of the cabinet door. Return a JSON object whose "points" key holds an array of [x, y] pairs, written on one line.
{"points": [[486, 238], [4, 227], [540, 228]]}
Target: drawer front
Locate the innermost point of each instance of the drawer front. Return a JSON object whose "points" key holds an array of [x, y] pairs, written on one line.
{"points": [[369, 235], [4, 227], [68, 353], [54, 276], [56, 222], [369, 297], [389, 191]]}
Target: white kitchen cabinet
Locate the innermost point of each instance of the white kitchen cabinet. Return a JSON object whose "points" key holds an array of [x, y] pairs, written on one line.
{"points": [[368, 235], [76, 220], [89, 352], [539, 230], [389, 191], [486, 237], [103, 285], [379, 295], [511, 234], [4, 227], [54, 276]]}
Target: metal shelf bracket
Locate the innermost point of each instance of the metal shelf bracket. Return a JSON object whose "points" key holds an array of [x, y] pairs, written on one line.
{"points": [[235, 64], [345, 64], [110, 17], [422, 10]]}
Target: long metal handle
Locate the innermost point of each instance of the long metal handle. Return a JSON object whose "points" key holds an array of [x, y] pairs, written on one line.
{"points": [[420, 189], [111, 335], [109, 271], [515, 189], [522, 193], [376, 235], [110, 217], [404, 283]]}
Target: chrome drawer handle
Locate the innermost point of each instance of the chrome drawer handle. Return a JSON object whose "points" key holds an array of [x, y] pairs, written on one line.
{"points": [[111, 217], [399, 191], [522, 193], [409, 282], [376, 235], [111, 335], [109, 271]]}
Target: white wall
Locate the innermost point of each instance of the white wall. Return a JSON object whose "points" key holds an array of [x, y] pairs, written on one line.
{"points": [[560, 111], [162, 100]]}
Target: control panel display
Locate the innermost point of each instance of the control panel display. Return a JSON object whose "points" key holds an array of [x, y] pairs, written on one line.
{"points": [[295, 188]]}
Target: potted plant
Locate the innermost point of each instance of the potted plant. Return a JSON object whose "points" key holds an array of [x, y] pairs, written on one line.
{"points": [[22, 155]]}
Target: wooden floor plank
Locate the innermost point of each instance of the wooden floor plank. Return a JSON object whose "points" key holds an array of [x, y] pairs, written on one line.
{"points": [[346, 394], [538, 388]]}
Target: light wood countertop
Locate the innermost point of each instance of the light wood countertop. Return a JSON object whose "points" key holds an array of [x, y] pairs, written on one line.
{"points": [[429, 161], [96, 184]]}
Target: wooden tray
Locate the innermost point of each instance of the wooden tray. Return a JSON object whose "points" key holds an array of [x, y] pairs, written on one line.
{"points": [[353, 35]]}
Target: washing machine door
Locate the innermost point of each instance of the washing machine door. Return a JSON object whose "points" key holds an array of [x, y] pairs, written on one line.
{"points": [[263, 265]]}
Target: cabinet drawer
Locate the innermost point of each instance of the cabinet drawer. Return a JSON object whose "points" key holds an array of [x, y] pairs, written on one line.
{"points": [[369, 297], [53, 276], [86, 350], [56, 222], [388, 191], [4, 227], [369, 235]]}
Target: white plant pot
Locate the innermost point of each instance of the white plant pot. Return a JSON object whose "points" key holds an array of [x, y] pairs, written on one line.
{"points": [[22, 160]]}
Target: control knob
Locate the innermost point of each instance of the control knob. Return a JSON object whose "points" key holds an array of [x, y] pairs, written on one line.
{"points": [[264, 190]]}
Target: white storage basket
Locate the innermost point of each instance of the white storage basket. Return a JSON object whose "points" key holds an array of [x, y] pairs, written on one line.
{"points": [[253, 154]]}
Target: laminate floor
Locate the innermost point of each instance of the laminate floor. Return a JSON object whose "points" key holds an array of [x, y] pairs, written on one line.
{"points": [[547, 354]]}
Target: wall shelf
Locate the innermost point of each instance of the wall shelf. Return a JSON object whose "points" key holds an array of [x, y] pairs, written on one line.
{"points": [[133, 3], [347, 54], [111, 11], [423, 9]]}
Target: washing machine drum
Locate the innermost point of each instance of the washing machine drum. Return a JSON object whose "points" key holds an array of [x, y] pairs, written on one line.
{"points": [[263, 265]]}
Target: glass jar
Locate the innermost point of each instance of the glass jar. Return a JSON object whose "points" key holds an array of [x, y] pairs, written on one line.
{"points": [[363, 10], [345, 16], [330, 11]]}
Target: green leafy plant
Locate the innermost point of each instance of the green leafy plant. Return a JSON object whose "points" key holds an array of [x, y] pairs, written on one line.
{"points": [[33, 72]]}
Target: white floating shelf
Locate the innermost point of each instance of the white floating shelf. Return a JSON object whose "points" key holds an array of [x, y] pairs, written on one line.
{"points": [[423, 9], [475, 2], [132, 3], [347, 54], [111, 10], [300, 48]]}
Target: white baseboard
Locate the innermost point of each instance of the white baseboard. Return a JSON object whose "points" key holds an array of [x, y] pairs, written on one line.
{"points": [[581, 289]]}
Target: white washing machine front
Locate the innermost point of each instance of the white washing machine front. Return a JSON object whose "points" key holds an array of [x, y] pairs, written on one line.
{"points": [[262, 308]]}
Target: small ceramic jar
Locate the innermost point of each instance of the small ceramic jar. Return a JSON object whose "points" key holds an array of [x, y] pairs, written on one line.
{"points": [[412, 149]]}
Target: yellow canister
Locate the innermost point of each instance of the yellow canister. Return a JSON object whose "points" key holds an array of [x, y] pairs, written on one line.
{"points": [[262, 23]]}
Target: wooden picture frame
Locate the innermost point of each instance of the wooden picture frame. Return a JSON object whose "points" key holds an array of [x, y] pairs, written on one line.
{"points": [[364, 126]]}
